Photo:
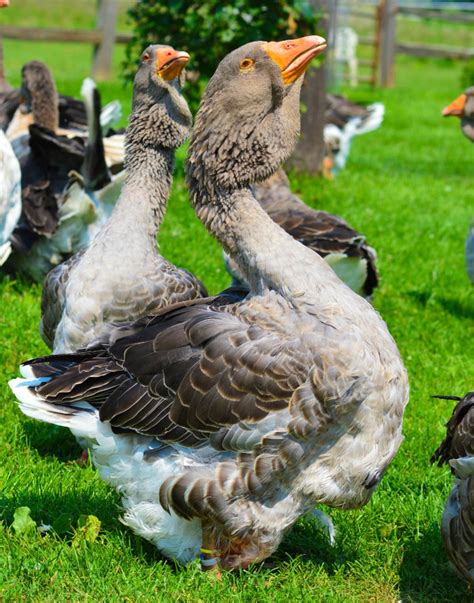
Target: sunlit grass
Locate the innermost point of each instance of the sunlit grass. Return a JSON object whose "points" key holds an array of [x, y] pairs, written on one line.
{"points": [[408, 187]]}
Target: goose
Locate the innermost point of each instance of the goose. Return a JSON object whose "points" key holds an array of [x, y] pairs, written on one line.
{"points": [[463, 107], [223, 420], [65, 116], [457, 450], [343, 121], [343, 248], [62, 210], [121, 276], [10, 195]]}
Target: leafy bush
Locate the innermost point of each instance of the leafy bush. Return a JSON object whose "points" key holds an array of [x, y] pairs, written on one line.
{"points": [[209, 29]]}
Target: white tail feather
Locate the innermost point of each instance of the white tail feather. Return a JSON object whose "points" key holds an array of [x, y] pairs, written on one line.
{"points": [[82, 419], [373, 121], [110, 115]]}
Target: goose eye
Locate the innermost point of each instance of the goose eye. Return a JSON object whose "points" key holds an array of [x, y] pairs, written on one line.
{"points": [[246, 63], [146, 57]]}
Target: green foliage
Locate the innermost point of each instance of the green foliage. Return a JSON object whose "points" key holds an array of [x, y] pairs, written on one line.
{"points": [[467, 76], [22, 521], [88, 528], [209, 29]]}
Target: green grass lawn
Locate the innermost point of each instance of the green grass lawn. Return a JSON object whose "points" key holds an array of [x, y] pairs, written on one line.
{"points": [[408, 187]]}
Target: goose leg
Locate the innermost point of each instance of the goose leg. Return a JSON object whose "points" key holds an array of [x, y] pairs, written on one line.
{"points": [[209, 552]]}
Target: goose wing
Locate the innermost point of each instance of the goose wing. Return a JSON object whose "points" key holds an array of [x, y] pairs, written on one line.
{"points": [[328, 234], [340, 110], [206, 372], [459, 440]]}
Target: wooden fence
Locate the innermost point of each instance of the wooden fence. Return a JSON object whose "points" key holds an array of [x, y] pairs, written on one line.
{"points": [[102, 38], [384, 15]]}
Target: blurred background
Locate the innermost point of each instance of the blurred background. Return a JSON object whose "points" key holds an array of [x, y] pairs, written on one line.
{"points": [[104, 38]]}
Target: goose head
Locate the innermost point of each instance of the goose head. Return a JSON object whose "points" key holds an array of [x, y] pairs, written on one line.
{"points": [[157, 93], [463, 107], [249, 118]]}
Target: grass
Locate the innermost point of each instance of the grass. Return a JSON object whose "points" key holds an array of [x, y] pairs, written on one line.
{"points": [[408, 187]]}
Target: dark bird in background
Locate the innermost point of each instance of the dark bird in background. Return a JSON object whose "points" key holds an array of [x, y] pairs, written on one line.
{"points": [[457, 450]]}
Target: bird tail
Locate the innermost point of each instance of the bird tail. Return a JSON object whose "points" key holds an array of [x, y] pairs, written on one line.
{"points": [[80, 418], [5, 251], [373, 120], [94, 168], [110, 115]]}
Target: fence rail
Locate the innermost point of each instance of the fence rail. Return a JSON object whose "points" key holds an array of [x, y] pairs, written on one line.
{"points": [[427, 13], [88, 36], [102, 38], [387, 46], [442, 52]]}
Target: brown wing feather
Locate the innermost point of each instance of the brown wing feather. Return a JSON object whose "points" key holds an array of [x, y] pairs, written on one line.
{"points": [[322, 232], [459, 440], [184, 374]]}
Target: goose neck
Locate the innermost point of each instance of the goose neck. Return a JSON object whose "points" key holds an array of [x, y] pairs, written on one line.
{"points": [[45, 107], [142, 203], [267, 256], [467, 125]]}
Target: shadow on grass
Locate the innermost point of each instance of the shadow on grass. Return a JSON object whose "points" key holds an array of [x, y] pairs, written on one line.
{"points": [[425, 573], [452, 305], [51, 440], [62, 512], [308, 541], [457, 308]]}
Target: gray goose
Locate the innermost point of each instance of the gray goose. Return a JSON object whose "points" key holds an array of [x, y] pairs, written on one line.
{"points": [[343, 248], [38, 102], [121, 276], [242, 413], [463, 107], [457, 450]]}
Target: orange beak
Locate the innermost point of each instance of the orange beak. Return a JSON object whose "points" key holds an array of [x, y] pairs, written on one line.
{"points": [[456, 107], [170, 62], [293, 56]]}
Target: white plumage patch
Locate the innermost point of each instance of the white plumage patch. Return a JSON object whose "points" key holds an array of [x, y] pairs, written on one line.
{"points": [[120, 460]]}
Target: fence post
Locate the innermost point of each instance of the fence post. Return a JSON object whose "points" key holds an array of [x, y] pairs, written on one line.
{"points": [[329, 60], [387, 35], [309, 153], [106, 23]]}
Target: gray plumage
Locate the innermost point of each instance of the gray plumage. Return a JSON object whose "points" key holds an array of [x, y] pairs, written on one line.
{"points": [[457, 450], [467, 119], [40, 95], [122, 276], [343, 248], [253, 409]]}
